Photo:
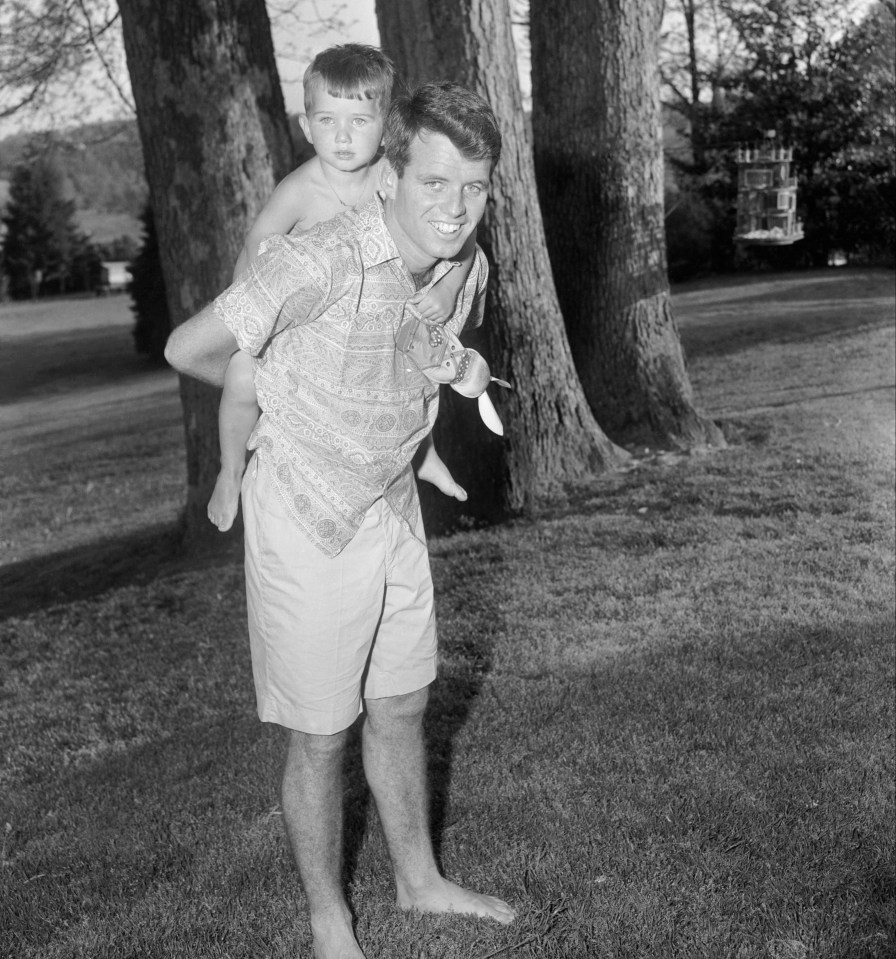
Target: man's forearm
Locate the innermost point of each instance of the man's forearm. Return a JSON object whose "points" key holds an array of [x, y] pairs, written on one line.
{"points": [[201, 347]]}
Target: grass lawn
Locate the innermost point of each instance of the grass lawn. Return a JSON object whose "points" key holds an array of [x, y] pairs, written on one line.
{"points": [[664, 725]]}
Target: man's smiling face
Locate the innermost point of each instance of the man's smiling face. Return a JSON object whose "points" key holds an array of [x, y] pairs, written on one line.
{"points": [[434, 207]]}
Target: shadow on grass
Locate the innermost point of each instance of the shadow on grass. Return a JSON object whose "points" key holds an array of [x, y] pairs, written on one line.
{"points": [[726, 335], [452, 697], [82, 572], [140, 822], [743, 311], [720, 759], [56, 363]]}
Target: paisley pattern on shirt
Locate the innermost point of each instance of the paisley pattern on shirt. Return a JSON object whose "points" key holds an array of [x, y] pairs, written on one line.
{"points": [[343, 411]]}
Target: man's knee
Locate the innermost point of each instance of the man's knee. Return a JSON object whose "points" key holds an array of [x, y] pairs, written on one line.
{"points": [[311, 748], [406, 709]]}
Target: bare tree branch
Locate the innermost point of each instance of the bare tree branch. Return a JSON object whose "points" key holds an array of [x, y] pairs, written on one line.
{"points": [[93, 36]]}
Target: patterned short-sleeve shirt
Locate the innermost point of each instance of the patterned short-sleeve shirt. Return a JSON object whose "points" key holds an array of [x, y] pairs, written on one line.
{"points": [[342, 412]]}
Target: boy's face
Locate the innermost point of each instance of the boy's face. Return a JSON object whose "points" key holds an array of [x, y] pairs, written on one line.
{"points": [[345, 134], [436, 205]]}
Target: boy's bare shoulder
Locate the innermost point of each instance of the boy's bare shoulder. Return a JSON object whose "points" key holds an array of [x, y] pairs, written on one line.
{"points": [[304, 176], [373, 179]]}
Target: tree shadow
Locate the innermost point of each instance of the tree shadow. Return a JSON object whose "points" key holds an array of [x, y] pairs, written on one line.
{"points": [[725, 336], [49, 364], [134, 558], [728, 317], [452, 697], [154, 552]]}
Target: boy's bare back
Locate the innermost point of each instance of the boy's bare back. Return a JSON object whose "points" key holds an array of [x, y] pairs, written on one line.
{"points": [[305, 198]]}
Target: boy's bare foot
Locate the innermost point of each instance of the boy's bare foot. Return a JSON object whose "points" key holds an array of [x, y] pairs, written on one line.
{"points": [[433, 469], [334, 939], [225, 499], [445, 896]]}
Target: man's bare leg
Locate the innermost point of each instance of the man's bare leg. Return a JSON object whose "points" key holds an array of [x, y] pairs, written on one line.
{"points": [[395, 764], [432, 468], [237, 416], [312, 812]]}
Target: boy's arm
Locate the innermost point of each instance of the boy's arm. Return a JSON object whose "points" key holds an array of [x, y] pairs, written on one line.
{"points": [[438, 303], [279, 215], [201, 347]]}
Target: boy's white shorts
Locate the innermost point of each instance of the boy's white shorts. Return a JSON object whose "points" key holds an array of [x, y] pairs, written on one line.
{"points": [[328, 632]]}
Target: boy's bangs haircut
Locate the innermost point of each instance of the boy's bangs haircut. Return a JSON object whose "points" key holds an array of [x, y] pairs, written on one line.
{"points": [[442, 107], [351, 71]]}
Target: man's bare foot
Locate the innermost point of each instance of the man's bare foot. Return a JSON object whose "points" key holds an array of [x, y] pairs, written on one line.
{"points": [[445, 896], [333, 939], [225, 499], [433, 469]]}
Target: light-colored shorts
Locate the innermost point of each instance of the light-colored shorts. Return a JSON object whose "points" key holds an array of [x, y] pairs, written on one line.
{"points": [[328, 632]]}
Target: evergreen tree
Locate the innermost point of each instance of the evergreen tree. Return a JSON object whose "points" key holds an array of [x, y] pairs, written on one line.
{"points": [[42, 239]]}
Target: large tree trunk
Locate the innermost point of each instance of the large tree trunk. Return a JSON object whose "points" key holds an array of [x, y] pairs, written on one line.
{"points": [[599, 164], [215, 141], [551, 437]]}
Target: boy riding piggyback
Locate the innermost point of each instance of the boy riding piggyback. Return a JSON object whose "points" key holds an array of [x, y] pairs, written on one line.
{"points": [[348, 90]]}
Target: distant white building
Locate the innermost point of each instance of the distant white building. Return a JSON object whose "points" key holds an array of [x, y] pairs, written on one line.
{"points": [[114, 276]]}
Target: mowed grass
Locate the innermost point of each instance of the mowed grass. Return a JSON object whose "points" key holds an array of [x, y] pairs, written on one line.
{"points": [[664, 724]]}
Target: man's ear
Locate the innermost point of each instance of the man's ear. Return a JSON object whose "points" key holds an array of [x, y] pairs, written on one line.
{"points": [[306, 127], [388, 179]]}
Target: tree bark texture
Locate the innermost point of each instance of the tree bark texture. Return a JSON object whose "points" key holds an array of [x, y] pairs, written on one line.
{"points": [[599, 166], [215, 140], [551, 437]]}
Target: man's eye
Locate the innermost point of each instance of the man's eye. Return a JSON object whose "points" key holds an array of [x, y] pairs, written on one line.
{"points": [[474, 189], [435, 184]]}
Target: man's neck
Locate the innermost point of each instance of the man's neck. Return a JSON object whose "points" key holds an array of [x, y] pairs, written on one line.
{"points": [[421, 279]]}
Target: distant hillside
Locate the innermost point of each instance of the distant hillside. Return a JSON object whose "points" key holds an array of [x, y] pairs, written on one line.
{"points": [[104, 164]]}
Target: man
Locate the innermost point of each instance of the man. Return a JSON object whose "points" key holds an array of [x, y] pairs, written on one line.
{"points": [[338, 583]]}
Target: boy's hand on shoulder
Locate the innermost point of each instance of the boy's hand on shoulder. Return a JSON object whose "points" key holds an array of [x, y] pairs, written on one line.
{"points": [[435, 305]]}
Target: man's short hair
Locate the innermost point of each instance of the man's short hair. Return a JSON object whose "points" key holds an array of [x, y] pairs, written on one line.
{"points": [[446, 108], [352, 71]]}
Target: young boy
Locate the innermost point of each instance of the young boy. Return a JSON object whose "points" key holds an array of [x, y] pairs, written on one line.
{"points": [[348, 89]]}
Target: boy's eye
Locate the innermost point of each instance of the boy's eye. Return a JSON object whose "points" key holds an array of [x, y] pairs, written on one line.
{"points": [[360, 121], [324, 119]]}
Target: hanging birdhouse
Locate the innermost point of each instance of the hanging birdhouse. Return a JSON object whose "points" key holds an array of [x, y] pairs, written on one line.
{"points": [[766, 195]]}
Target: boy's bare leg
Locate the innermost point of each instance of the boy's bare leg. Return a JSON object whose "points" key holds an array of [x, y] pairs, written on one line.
{"points": [[395, 764], [312, 799], [433, 469], [237, 416]]}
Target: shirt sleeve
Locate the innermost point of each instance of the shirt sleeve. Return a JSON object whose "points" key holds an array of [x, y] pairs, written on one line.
{"points": [[470, 304], [284, 286]]}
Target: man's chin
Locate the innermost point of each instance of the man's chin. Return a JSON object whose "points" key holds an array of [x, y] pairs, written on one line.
{"points": [[449, 246]]}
